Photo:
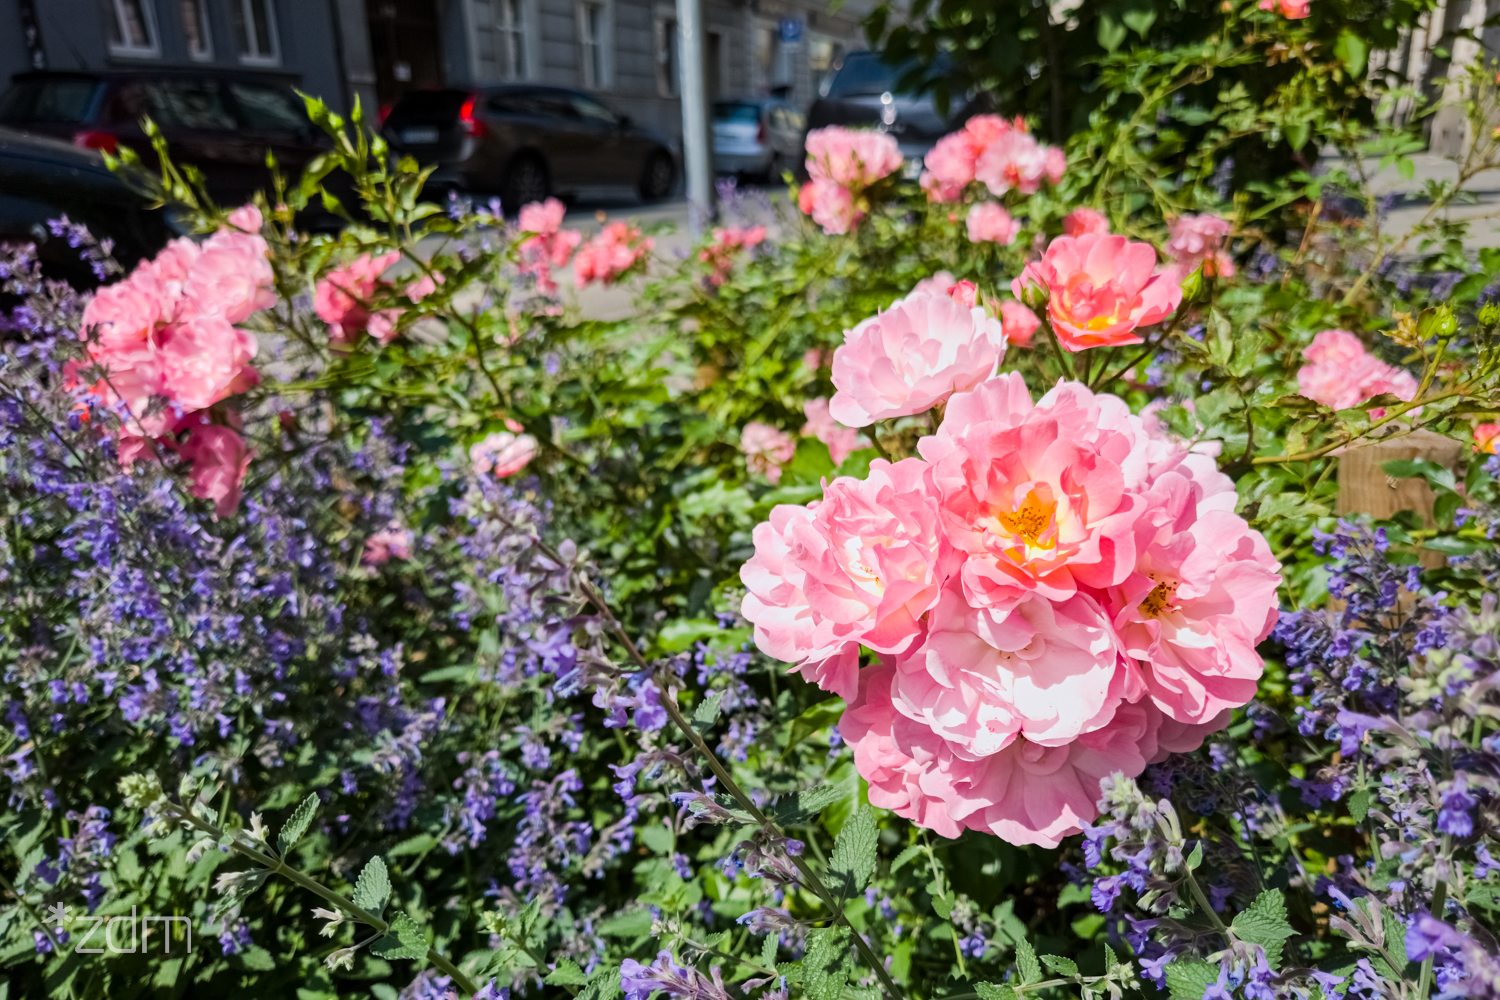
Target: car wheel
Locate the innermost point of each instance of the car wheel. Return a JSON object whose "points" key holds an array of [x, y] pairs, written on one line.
{"points": [[525, 182], [659, 177]]}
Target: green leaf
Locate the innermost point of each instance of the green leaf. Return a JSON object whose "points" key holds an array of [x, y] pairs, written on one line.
{"points": [[567, 973], [1353, 51], [1359, 804], [1264, 923], [808, 803], [373, 887], [823, 976], [1061, 966], [604, 984], [820, 716], [906, 857], [996, 991], [707, 712], [296, 825], [1220, 339], [1196, 858], [678, 635], [404, 939], [1190, 978], [1139, 19], [256, 958], [631, 923], [1111, 33], [853, 859], [1027, 967], [768, 951]]}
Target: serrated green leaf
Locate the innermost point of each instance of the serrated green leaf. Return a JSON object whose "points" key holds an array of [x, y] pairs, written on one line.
{"points": [[404, 939], [567, 973], [768, 951], [295, 828], [1264, 923], [374, 886], [1359, 804], [707, 712], [1061, 966], [853, 859], [1190, 978], [823, 976], [906, 857], [1196, 858], [604, 984], [996, 991], [1027, 967]]}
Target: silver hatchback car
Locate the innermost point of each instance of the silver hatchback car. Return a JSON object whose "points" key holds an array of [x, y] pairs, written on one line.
{"points": [[757, 137]]}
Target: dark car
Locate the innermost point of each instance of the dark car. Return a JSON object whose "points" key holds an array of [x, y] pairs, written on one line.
{"points": [[43, 179], [863, 91], [757, 137], [222, 123], [527, 142]]}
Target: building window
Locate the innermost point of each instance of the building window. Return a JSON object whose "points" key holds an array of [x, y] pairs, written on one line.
{"points": [[195, 30], [132, 29], [668, 64], [255, 31], [594, 44], [511, 28]]}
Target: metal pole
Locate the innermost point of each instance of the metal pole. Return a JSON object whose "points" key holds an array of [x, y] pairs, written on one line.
{"points": [[694, 110]]}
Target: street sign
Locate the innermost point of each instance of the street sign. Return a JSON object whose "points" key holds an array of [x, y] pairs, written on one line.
{"points": [[791, 30]]}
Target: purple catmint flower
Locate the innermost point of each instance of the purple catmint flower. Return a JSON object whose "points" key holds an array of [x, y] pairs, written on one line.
{"points": [[1455, 816], [640, 981]]}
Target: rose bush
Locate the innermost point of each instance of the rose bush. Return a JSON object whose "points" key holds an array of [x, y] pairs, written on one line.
{"points": [[892, 606]]}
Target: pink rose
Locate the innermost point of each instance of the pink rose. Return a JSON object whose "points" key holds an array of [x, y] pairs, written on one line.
{"points": [[425, 285], [1343, 374], [937, 190], [343, 298], [720, 253], [989, 222], [1014, 161], [830, 205], [502, 452], [1055, 164], [1292, 10], [204, 360], [861, 566], [951, 161], [1018, 322], [766, 449], [939, 284], [1042, 497], [393, 542], [231, 277], [220, 461], [1199, 240], [1101, 290], [851, 158], [246, 218], [544, 218], [1338, 347], [965, 293], [1485, 436], [841, 441], [122, 317], [610, 255], [1084, 221], [912, 357]]}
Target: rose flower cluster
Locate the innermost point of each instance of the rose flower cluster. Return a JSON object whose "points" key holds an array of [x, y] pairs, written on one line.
{"points": [[165, 347], [1054, 591]]}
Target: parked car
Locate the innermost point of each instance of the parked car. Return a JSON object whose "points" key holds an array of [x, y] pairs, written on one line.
{"points": [[757, 137], [221, 122], [526, 142], [863, 91], [43, 179]]}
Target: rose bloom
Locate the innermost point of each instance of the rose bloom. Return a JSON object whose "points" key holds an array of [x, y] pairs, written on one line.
{"points": [[425, 285], [766, 449], [1083, 221], [939, 284], [230, 277], [607, 257], [1485, 436], [205, 359], [989, 222], [1292, 10], [1199, 240], [393, 542], [550, 246], [831, 206], [1017, 161], [860, 566], [912, 357], [1018, 322], [1101, 290], [841, 441], [851, 158], [246, 218], [220, 460], [719, 254], [503, 452], [951, 161], [342, 299], [1342, 374]]}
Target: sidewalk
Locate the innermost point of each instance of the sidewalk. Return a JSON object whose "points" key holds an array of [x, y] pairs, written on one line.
{"points": [[1409, 205]]}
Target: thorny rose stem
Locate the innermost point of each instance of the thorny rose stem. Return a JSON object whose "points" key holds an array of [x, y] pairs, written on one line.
{"points": [[278, 866], [669, 702]]}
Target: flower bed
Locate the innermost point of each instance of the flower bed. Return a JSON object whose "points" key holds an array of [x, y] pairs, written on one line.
{"points": [[939, 595]]}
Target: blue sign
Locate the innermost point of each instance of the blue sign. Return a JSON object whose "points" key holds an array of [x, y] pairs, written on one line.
{"points": [[791, 30]]}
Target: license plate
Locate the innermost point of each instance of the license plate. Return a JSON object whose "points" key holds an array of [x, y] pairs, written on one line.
{"points": [[419, 136]]}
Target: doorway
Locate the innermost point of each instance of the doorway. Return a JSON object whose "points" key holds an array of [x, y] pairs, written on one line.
{"points": [[404, 45]]}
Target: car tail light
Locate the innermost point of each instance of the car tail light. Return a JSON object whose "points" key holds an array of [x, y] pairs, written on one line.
{"points": [[106, 141], [466, 118], [382, 115]]}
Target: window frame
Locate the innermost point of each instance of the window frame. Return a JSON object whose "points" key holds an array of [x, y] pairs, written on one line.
{"points": [[246, 13], [598, 73], [205, 29], [668, 53], [123, 48]]}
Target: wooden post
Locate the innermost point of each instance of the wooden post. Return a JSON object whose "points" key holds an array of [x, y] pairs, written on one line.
{"points": [[1364, 487]]}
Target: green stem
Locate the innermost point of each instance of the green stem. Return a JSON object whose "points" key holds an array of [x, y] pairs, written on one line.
{"points": [[278, 866], [7, 885]]}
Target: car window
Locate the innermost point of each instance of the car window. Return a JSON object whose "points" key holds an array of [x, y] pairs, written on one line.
{"points": [[48, 101], [592, 111], [174, 103], [267, 108], [554, 105], [863, 74], [741, 114]]}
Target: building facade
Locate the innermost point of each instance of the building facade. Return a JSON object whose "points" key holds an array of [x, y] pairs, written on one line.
{"points": [[624, 51]]}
